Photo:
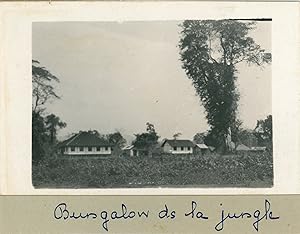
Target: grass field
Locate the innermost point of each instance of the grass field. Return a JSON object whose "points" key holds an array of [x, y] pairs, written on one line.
{"points": [[251, 170]]}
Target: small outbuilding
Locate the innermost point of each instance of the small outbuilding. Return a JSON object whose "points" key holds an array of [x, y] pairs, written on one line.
{"points": [[201, 149], [130, 151]]}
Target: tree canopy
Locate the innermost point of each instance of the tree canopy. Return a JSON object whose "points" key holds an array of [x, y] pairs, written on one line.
{"points": [[247, 137], [176, 135], [264, 133], [116, 139], [53, 124], [210, 50], [199, 137], [42, 86], [44, 125], [147, 139]]}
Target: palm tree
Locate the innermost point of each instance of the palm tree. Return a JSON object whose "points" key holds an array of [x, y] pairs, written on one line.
{"points": [[176, 135], [53, 124]]}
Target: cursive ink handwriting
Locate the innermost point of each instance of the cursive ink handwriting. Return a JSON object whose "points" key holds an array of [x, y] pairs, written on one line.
{"points": [[105, 217], [194, 213], [166, 213], [257, 215], [61, 211]]}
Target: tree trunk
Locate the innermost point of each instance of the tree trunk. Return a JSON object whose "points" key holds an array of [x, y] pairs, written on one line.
{"points": [[228, 141]]}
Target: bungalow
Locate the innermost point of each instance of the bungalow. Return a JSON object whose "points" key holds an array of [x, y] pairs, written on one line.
{"points": [[177, 146], [85, 144]]}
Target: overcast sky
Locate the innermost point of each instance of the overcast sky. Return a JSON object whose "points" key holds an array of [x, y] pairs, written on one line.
{"points": [[118, 76]]}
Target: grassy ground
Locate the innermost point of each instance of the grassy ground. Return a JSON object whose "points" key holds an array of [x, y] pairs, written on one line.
{"points": [[251, 170]]}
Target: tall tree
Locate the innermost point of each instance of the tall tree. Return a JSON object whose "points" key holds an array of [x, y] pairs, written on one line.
{"points": [[42, 91], [53, 124], [42, 86], [210, 51]]}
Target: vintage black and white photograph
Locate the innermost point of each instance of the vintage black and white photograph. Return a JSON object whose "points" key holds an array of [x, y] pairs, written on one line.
{"points": [[148, 104]]}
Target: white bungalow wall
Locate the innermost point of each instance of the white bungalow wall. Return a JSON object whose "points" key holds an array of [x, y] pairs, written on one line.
{"points": [[185, 150], [169, 149], [86, 152]]}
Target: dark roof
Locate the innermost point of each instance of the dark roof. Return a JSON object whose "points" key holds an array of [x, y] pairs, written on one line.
{"points": [[84, 139], [179, 143], [65, 142], [60, 144]]}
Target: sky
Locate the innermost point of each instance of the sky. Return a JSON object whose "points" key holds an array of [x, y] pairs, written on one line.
{"points": [[117, 76]]}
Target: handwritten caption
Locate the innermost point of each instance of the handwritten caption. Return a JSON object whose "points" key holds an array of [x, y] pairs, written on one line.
{"points": [[106, 218]]}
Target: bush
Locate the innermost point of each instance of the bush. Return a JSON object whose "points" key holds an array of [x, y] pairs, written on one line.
{"points": [[169, 171]]}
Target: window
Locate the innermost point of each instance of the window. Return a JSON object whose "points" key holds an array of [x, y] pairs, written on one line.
{"points": [[80, 148], [98, 148], [72, 148], [182, 148], [189, 148], [175, 148], [106, 148], [89, 148]]}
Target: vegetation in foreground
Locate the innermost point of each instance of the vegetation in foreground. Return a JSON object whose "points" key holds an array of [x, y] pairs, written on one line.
{"points": [[251, 170]]}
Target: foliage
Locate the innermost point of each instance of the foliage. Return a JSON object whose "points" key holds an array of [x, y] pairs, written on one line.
{"points": [[42, 86], [39, 136], [210, 50], [44, 128], [247, 137], [53, 124], [252, 170], [44, 131], [176, 135], [264, 132], [148, 139], [116, 139], [199, 137]]}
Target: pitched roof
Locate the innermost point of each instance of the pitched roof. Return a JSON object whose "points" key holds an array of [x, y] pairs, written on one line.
{"points": [[179, 143], [62, 143], [202, 146], [128, 147], [211, 148], [242, 147], [85, 139]]}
